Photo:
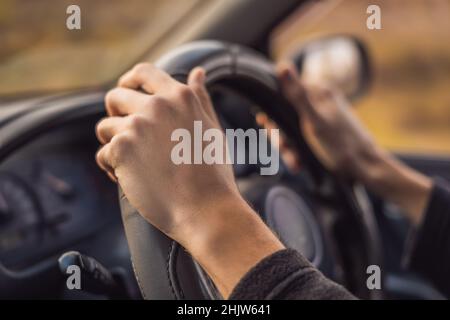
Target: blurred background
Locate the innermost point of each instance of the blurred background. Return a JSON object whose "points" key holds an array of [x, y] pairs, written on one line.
{"points": [[38, 52], [407, 108]]}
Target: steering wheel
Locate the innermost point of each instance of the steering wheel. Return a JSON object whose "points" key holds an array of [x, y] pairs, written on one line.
{"points": [[165, 271]]}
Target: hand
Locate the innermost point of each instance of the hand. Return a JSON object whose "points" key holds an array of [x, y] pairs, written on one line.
{"points": [[137, 151], [344, 146], [332, 130], [197, 205]]}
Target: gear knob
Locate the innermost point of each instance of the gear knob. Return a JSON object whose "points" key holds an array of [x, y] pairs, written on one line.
{"points": [[94, 277]]}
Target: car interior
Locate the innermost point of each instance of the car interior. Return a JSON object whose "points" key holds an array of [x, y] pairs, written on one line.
{"points": [[57, 208]]}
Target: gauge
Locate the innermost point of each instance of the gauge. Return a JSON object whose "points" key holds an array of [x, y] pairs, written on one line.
{"points": [[20, 213]]}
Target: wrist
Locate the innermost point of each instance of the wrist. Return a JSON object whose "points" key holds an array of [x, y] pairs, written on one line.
{"points": [[229, 241], [374, 167], [392, 180]]}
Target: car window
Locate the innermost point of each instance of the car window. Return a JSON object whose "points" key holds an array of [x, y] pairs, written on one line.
{"points": [[408, 105], [39, 53]]}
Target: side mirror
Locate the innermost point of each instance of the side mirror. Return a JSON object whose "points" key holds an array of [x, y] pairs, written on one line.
{"points": [[339, 61]]}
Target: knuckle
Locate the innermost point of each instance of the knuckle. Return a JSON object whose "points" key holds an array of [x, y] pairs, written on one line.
{"points": [[110, 96], [159, 107], [121, 146], [158, 101], [124, 141], [158, 110], [142, 68], [138, 123], [185, 93]]}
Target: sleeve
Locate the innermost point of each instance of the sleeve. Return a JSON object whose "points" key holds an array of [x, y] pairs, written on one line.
{"points": [[287, 275], [428, 249]]}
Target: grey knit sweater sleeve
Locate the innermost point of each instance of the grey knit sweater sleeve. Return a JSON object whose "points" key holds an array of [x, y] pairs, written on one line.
{"points": [[287, 275]]}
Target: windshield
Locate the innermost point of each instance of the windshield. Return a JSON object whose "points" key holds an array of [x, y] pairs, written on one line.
{"points": [[38, 53]]}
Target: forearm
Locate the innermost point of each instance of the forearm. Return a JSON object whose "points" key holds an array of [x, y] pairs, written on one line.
{"points": [[229, 241], [392, 180]]}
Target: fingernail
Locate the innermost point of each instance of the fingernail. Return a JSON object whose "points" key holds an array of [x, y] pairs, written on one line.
{"points": [[201, 74], [286, 73]]}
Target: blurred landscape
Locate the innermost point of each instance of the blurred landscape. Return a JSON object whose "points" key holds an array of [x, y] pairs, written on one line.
{"points": [[408, 106], [38, 52]]}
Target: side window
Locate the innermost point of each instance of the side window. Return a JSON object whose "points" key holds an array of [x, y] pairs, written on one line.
{"points": [[408, 105]]}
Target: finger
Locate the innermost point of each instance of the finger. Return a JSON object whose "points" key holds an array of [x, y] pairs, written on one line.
{"points": [[124, 101], [291, 160], [147, 77], [102, 161], [107, 128], [287, 152], [293, 88], [196, 81], [264, 121]]}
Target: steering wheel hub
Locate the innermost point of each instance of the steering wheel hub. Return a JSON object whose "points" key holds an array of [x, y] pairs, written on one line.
{"points": [[288, 215]]}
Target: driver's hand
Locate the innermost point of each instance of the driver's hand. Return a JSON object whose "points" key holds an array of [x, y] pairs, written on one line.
{"points": [[341, 142], [197, 205], [137, 147], [332, 130]]}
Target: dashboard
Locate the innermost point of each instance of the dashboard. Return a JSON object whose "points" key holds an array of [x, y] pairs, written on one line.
{"points": [[53, 199]]}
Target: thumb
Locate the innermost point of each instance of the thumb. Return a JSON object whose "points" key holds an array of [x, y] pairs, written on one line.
{"points": [[197, 77], [196, 81]]}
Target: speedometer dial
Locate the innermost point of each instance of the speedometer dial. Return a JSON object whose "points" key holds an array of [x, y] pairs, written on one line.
{"points": [[20, 213]]}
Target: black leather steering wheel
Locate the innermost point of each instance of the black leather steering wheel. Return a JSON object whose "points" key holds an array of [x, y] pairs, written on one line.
{"points": [[162, 268]]}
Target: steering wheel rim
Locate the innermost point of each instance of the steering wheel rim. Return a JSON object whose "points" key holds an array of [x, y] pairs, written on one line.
{"points": [[163, 270]]}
